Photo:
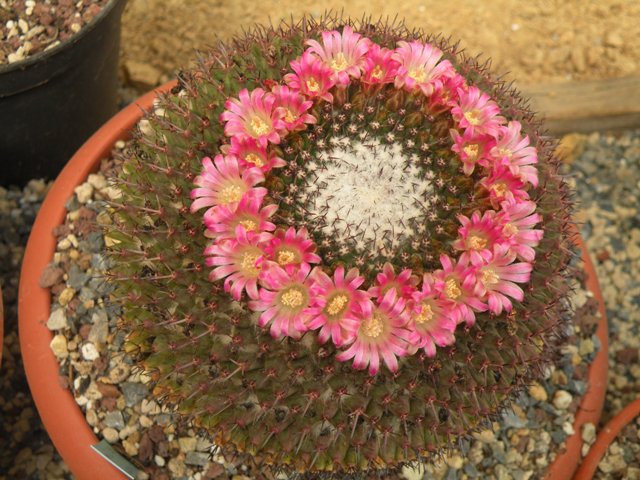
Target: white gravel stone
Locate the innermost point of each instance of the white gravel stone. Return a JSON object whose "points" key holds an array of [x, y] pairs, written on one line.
{"points": [[562, 399], [84, 192], [89, 351], [97, 181], [57, 320], [110, 434], [59, 346], [589, 433], [187, 444]]}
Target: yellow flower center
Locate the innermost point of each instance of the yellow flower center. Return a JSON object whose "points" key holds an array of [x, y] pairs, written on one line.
{"points": [[473, 117], [249, 225], [490, 277], [373, 327], [285, 257], [472, 151], [231, 193], [452, 289], [499, 188], [510, 229], [476, 243], [337, 304], [339, 62], [248, 264], [377, 72], [419, 75], [259, 127], [289, 116], [292, 298], [255, 159], [505, 152], [425, 315], [312, 85]]}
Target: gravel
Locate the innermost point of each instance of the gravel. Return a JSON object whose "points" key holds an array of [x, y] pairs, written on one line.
{"points": [[606, 173], [28, 27]]}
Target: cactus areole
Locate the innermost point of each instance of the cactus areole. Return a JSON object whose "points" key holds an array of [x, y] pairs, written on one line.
{"points": [[341, 246]]}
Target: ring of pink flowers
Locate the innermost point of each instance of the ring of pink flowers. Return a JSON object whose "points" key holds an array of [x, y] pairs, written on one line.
{"points": [[481, 138]]}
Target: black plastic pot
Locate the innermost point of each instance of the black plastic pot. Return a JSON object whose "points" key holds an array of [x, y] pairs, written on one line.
{"points": [[52, 102]]}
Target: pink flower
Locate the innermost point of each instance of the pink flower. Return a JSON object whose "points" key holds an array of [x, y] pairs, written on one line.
{"points": [[344, 54], [477, 236], [513, 150], [291, 249], [477, 113], [238, 260], [503, 185], [380, 334], [431, 323], [250, 154], [419, 67], [312, 77], [379, 66], [221, 222], [336, 305], [252, 116], [457, 284], [471, 149], [518, 219], [447, 96], [498, 280], [404, 284], [283, 301], [221, 183], [291, 107]]}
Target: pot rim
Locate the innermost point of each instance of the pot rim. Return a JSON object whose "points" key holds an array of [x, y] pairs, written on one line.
{"points": [[45, 54], [590, 408], [70, 433], [605, 438], [61, 416]]}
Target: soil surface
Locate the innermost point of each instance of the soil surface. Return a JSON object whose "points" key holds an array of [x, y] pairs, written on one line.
{"points": [[538, 41]]}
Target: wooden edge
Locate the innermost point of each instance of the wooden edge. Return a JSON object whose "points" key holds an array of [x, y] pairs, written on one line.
{"points": [[586, 106]]}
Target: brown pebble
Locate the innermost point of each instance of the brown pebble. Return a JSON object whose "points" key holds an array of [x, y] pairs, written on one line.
{"points": [[61, 231], [627, 356], [109, 403], [84, 331], [215, 470], [156, 433], [58, 288], [603, 255], [145, 448], [108, 391], [163, 448], [50, 276], [101, 364]]}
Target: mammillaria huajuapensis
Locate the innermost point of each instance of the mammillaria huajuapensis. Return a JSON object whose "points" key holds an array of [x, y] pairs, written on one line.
{"points": [[341, 246]]}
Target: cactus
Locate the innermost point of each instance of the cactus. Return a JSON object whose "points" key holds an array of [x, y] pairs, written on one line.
{"points": [[341, 246]]}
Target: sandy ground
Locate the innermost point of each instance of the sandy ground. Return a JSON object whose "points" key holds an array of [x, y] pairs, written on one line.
{"points": [[536, 41]]}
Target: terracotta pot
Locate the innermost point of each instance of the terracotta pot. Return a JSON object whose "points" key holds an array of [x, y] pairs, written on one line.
{"points": [[60, 414], [590, 408], [605, 438], [62, 417]]}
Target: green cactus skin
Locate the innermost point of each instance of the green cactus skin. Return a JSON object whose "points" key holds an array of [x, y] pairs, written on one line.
{"points": [[291, 403]]}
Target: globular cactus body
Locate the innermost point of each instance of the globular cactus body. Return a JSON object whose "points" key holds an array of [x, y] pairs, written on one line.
{"points": [[381, 263]]}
